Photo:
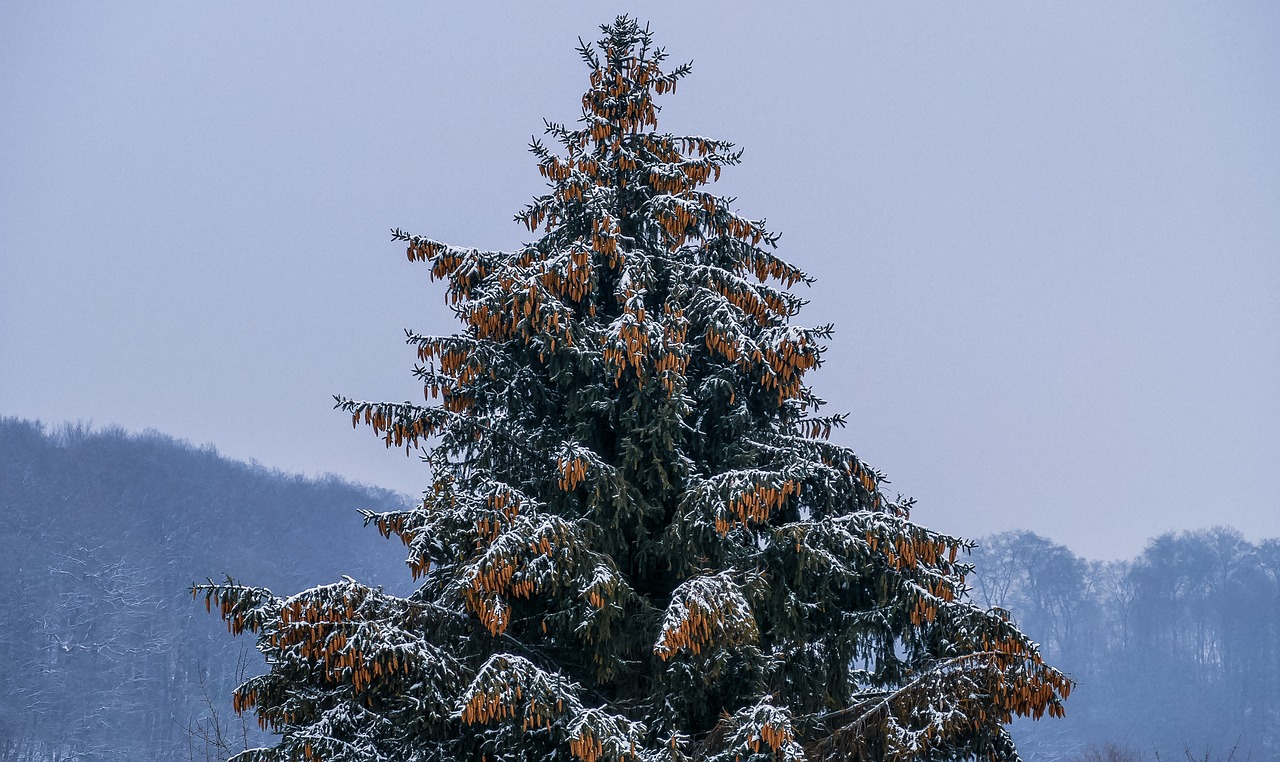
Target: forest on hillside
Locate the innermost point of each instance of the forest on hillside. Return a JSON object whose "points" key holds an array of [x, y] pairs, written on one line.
{"points": [[108, 658], [1175, 651]]}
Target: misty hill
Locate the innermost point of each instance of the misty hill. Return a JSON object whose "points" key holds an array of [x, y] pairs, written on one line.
{"points": [[105, 655], [1179, 647]]}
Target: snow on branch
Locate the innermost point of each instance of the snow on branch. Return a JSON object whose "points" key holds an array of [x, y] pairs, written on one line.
{"points": [[704, 610], [759, 733], [511, 689]]}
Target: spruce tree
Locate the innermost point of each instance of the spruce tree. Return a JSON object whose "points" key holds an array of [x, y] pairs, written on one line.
{"points": [[638, 542]]}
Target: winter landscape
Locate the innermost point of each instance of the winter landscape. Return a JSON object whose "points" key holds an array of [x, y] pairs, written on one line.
{"points": [[637, 501], [108, 658]]}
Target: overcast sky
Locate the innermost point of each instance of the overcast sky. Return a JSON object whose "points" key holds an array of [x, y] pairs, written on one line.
{"points": [[1048, 234]]}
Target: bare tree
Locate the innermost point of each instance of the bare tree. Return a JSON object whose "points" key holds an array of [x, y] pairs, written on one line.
{"points": [[217, 734]]}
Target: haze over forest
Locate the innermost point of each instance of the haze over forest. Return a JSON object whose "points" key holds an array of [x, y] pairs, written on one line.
{"points": [[110, 658]]}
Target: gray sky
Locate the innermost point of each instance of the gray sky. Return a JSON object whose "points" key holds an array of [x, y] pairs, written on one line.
{"points": [[1049, 234]]}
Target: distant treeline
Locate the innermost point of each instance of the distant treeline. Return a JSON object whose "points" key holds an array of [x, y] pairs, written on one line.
{"points": [[1176, 650], [104, 656], [103, 653]]}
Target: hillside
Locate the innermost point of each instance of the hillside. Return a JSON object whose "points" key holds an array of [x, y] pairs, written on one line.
{"points": [[106, 656], [1178, 648]]}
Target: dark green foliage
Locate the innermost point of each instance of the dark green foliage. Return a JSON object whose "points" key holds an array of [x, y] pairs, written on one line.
{"points": [[637, 542]]}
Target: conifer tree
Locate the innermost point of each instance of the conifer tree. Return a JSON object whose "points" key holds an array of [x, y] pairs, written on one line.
{"points": [[638, 542]]}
